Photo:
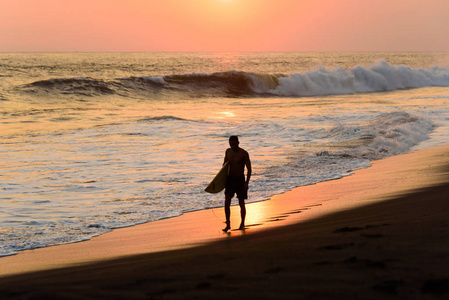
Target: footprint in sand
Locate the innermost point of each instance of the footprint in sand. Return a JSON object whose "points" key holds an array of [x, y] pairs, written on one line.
{"points": [[352, 229], [388, 286], [336, 246]]}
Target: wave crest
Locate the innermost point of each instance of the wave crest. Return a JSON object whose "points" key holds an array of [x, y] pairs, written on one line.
{"points": [[234, 84], [379, 78]]}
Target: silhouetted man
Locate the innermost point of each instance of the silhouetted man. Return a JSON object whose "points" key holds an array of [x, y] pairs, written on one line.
{"points": [[236, 183]]}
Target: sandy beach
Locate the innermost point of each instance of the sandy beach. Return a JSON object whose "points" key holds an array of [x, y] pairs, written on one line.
{"points": [[378, 234]]}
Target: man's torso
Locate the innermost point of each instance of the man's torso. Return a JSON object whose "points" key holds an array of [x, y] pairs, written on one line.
{"points": [[237, 161]]}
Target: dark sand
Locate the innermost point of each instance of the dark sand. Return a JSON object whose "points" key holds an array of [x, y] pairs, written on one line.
{"points": [[395, 247]]}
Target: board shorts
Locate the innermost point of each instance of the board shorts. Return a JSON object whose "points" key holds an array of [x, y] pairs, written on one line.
{"points": [[236, 185]]}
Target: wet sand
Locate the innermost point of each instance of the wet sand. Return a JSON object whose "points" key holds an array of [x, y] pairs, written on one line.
{"points": [[382, 232]]}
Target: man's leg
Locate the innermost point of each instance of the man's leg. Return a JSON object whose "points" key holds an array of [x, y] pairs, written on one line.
{"points": [[227, 208], [242, 213]]}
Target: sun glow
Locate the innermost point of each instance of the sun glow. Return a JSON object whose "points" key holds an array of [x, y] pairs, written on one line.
{"points": [[221, 25], [224, 115]]}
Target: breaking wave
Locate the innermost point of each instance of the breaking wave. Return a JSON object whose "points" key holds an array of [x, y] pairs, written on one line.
{"points": [[380, 77]]}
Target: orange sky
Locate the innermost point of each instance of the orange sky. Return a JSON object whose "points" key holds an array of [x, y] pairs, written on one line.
{"points": [[224, 25]]}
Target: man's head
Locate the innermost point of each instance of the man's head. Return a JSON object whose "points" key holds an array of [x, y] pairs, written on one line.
{"points": [[234, 142]]}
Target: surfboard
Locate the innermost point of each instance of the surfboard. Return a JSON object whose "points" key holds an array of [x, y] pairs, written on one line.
{"points": [[219, 181]]}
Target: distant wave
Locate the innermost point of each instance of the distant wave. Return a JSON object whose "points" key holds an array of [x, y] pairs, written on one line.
{"points": [[3, 98], [162, 118], [234, 84], [81, 85]]}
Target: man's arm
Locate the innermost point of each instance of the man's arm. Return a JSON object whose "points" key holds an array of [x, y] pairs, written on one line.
{"points": [[226, 157], [248, 168]]}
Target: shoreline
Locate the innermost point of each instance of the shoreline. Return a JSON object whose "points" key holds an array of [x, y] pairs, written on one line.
{"points": [[382, 232], [364, 186]]}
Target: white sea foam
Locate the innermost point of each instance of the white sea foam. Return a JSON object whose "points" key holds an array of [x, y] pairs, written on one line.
{"points": [[388, 134], [380, 77]]}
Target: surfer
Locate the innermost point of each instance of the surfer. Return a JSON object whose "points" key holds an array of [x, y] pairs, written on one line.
{"points": [[238, 158]]}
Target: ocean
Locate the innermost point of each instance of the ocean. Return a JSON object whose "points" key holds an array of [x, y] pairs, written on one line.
{"points": [[96, 141]]}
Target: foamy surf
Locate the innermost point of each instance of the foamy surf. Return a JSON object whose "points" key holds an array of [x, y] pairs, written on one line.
{"points": [[379, 78]]}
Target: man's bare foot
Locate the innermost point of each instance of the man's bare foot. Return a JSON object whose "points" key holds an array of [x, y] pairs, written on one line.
{"points": [[228, 226], [242, 227]]}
